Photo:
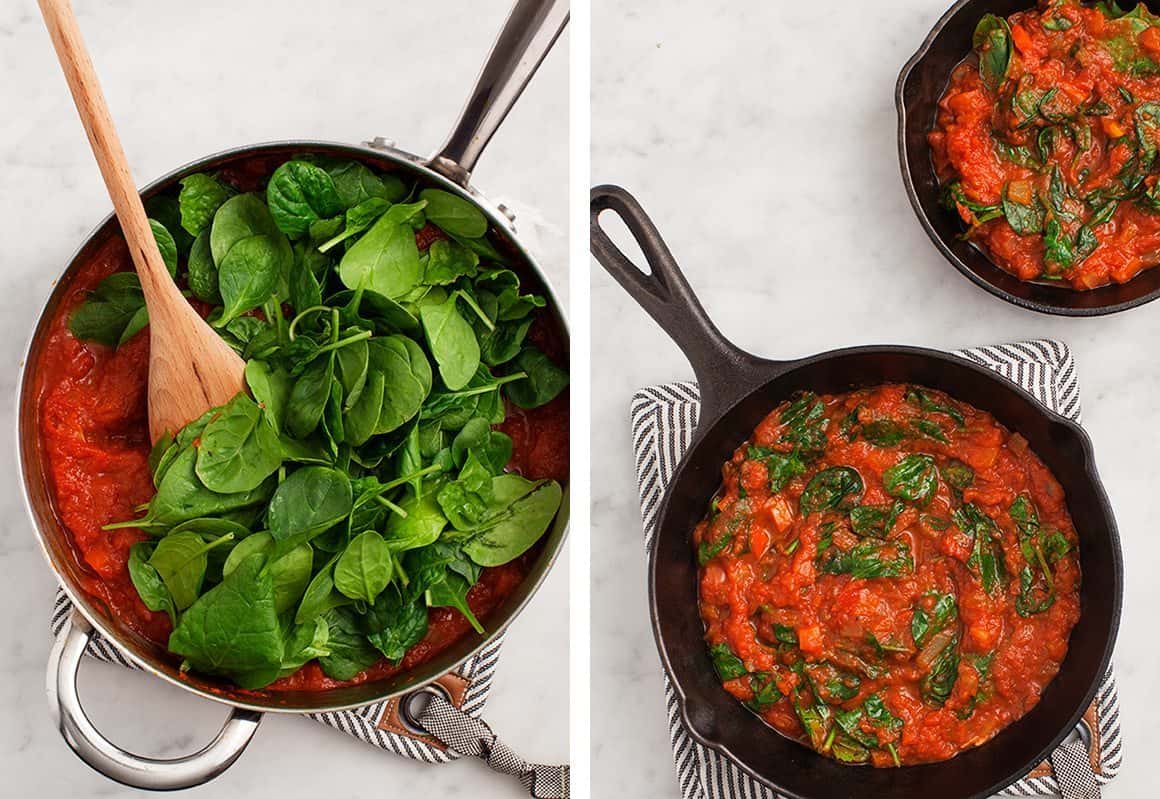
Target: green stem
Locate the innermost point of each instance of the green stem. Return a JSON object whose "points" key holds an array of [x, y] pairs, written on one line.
{"points": [[273, 311], [347, 232], [467, 298], [492, 386], [204, 549], [398, 481], [336, 345], [142, 523], [301, 314], [403, 578], [386, 503]]}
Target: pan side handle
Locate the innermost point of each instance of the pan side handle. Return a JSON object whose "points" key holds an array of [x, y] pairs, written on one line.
{"points": [[725, 372], [529, 33], [111, 760]]}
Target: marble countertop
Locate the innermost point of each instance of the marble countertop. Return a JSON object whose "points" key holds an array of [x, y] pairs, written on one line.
{"points": [[761, 138], [185, 80]]}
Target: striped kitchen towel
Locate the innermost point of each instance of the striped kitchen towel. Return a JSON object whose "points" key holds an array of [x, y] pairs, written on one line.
{"points": [[663, 420]]}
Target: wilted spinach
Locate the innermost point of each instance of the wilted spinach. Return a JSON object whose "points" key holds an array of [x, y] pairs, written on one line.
{"points": [[834, 488], [986, 558], [914, 478], [992, 42]]}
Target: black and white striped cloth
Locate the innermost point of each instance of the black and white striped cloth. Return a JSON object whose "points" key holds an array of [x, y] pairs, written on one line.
{"points": [[362, 722], [663, 419]]}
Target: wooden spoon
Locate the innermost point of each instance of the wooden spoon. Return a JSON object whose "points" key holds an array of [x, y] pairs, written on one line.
{"points": [[191, 369]]}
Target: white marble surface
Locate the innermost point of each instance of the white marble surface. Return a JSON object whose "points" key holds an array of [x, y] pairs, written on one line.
{"points": [[185, 80], [761, 138]]}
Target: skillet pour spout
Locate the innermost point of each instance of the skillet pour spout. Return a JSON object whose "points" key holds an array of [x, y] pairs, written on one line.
{"points": [[739, 391]]}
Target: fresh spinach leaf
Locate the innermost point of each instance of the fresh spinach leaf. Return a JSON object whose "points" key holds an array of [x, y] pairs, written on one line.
{"points": [[150, 587], [299, 194], [180, 559], [408, 373], [491, 447], [452, 593], [242, 217], [454, 214], [308, 502], [350, 651], [239, 448], [270, 386], [452, 341], [201, 197], [166, 245], [386, 259], [543, 380], [447, 262], [420, 527], [202, 272], [113, 313], [522, 511], [308, 397], [232, 628], [356, 183], [248, 276], [393, 625], [365, 568]]}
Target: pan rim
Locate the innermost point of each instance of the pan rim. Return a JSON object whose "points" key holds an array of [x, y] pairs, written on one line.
{"points": [[554, 540]]}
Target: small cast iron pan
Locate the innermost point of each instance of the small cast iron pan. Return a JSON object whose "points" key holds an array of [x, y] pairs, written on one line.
{"points": [[920, 85], [737, 391]]}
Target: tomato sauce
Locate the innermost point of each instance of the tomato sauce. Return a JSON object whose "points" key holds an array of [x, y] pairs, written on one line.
{"points": [[94, 435], [887, 575], [1046, 141]]}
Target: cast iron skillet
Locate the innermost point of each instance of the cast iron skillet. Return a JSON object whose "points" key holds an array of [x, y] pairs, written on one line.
{"points": [[527, 36], [921, 84], [737, 391]]}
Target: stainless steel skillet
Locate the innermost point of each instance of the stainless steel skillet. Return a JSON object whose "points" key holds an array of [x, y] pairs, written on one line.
{"points": [[529, 33]]}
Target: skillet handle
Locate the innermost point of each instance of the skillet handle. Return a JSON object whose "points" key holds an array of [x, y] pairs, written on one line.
{"points": [[111, 760], [724, 371], [531, 29]]}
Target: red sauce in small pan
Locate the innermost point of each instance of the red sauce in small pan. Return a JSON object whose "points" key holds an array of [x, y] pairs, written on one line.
{"points": [[867, 554], [94, 435], [1051, 163]]}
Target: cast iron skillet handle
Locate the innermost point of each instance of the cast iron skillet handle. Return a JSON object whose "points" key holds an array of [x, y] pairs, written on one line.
{"points": [[529, 33], [724, 371], [114, 762]]}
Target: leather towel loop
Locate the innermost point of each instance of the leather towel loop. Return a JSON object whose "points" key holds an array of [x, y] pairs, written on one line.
{"points": [[469, 736]]}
